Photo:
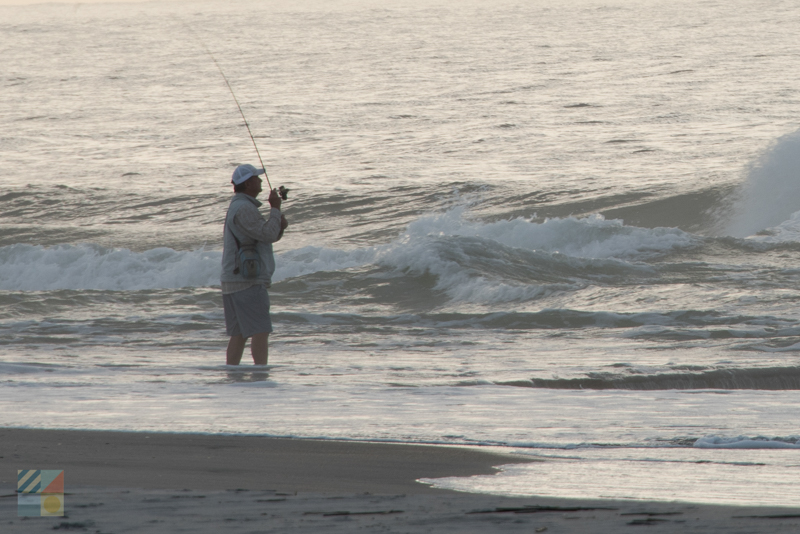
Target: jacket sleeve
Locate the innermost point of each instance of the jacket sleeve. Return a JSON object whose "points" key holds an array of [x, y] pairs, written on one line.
{"points": [[252, 224]]}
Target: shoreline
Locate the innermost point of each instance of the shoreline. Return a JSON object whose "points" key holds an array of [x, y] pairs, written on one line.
{"points": [[158, 460], [119, 481]]}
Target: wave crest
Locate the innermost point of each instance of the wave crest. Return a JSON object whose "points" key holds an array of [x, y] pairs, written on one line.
{"points": [[37, 268], [473, 261]]}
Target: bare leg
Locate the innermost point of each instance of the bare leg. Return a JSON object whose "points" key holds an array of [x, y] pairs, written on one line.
{"points": [[235, 350], [259, 346]]}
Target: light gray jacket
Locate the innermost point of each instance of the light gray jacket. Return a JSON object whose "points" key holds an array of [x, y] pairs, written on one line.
{"points": [[248, 225]]}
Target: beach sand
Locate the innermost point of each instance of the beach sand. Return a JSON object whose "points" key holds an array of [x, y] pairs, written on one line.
{"points": [[149, 482]]}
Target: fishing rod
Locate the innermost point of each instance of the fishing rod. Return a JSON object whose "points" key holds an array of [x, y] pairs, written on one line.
{"points": [[282, 191]]}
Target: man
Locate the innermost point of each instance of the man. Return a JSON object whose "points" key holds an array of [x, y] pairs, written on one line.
{"points": [[244, 289]]}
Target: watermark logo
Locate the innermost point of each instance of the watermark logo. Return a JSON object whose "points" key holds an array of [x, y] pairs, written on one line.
{"points": [[40, 492]]}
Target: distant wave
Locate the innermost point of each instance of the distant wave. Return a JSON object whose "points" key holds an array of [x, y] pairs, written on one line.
{"points": [[773, 378], [745, 442]]}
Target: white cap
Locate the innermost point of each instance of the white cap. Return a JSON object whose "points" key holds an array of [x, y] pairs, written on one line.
{"points": [[244, 173]]}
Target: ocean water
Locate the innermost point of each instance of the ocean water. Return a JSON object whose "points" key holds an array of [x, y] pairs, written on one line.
{"points": [[569, 230]]}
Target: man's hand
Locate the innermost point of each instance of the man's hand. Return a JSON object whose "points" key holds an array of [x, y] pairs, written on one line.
{"points": [[284, 223], [274, 199]]}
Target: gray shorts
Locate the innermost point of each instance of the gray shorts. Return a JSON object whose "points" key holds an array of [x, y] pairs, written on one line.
{"points": [[247, 312]]}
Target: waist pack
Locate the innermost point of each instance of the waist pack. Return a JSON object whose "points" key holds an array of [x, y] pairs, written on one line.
{"points": [[248, 262]]}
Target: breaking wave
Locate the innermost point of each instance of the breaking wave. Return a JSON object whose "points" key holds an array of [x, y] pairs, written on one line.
{"points": [[473, 261], [37, 268], [771, 193]]}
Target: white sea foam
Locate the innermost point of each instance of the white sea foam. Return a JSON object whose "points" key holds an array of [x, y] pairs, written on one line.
{"points": [[34, 268], [589, 237], [787, 231], [426, 247], [683, 475], [450, 263]]}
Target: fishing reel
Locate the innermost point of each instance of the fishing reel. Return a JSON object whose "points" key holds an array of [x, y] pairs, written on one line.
{"points": [[283, 192]]}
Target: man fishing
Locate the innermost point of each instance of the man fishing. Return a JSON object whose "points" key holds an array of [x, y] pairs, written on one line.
{"points": [[248, 264]]}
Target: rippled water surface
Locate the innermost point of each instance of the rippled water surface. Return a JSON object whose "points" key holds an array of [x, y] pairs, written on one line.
{"points": [[568, 230]]}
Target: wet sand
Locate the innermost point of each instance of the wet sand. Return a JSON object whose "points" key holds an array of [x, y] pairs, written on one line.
{"points": [[208, 462], [150, 482]]}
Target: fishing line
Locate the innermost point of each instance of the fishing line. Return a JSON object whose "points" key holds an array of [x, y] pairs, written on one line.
{"points": [[282, 190]]}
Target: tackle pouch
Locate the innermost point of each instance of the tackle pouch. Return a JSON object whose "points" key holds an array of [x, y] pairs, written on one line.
{"points": [[249, 261]]}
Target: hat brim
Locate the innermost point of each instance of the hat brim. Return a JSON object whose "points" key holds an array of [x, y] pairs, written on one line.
{"points": [[257, 172]]}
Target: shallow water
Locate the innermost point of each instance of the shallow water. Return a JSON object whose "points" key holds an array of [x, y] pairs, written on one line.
{"points": [[537, 226]]}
